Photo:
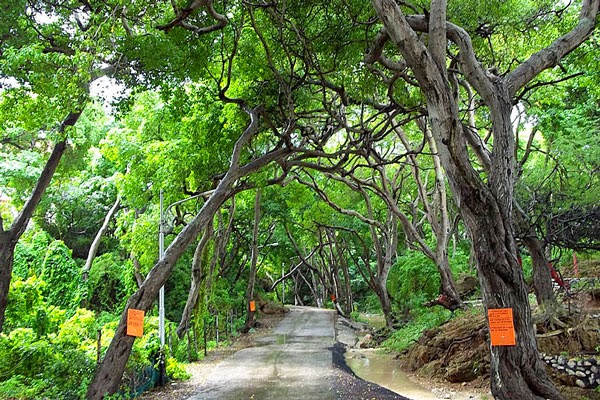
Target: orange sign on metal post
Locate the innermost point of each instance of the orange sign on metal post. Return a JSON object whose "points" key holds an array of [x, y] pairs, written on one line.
{"points": [[252, 306], [502, 328], [135, 322]]}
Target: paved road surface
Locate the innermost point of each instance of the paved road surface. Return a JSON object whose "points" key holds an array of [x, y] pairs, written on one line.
{"points": [[293, 362]]}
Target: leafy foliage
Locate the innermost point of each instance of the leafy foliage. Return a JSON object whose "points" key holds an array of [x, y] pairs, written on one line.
{"points": [[421, 319], [109, 284]]}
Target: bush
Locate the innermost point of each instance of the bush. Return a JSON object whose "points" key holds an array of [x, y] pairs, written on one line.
{"points": [[421, 320], [176, 370], [109, 284], [413, 278], [19, 388], [45, 354], [59, 365], [63, 277]]}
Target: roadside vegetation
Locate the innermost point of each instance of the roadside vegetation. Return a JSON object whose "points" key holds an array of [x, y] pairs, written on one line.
{"points": [[413, 159]]}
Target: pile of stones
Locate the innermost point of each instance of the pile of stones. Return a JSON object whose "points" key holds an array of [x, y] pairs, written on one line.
{"points": [[586, 371]]}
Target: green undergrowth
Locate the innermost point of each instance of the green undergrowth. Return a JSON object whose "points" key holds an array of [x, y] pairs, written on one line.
{"points": [[421, 319]]}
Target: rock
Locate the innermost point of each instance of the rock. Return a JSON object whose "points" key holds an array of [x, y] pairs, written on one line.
{"points": [[562, 360], [580, 374], [365, 342], [461, 373], [466, 285], [271, 308], [580, 383]]}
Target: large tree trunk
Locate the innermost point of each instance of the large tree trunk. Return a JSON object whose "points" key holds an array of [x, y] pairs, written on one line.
{"points": [[386, 303], [516, 371], [108, 374], [486, 207], [542, 279], [250, 314], [7, 256], [198, 276], [452, 299]]}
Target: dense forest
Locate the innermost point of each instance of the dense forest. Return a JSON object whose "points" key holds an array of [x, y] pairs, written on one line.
{"points": [[355, 155]]}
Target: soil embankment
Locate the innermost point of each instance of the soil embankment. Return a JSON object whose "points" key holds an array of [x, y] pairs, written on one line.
{"points": [[458, 351]]}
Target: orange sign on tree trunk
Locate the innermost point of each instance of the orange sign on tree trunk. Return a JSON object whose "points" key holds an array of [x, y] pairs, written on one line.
{"points": [[502, 328], [252, 306], [135, 322]]}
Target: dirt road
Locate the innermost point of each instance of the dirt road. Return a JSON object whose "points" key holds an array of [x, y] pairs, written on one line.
{"points": [[293, 362]]}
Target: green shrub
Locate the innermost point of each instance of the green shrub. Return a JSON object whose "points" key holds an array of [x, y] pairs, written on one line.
{"points": [[110, 283], [54, 357], [63, 277], [20, 388], [30, 252], [413, 275], [176, 370], [421, 320]]}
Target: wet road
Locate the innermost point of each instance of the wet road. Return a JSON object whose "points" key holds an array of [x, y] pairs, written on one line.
{"points": [[293, 362]]}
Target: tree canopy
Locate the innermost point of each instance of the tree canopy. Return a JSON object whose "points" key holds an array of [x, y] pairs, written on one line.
{"points": [[339, 141]]}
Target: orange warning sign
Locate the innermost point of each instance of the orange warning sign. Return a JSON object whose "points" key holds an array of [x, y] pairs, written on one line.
{"points": [[252, 306], [135, 322], [333, 298], [502, 328]]}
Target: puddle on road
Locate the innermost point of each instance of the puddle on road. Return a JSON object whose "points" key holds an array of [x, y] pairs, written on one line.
{"points": [[383, 370]]}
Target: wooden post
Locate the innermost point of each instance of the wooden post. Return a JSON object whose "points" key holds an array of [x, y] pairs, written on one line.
{"points": [[217, 329], [99, 347], [189, 345], [170, 344], [227, 325], [204, 333], [195, 339]]}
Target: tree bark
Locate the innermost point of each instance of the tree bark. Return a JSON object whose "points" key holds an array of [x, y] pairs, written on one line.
{"points": [[108, 374], [486, 208], [198, 277], [96, 243], [250, 314], [10, 237], [7, 253], [542, 279]]}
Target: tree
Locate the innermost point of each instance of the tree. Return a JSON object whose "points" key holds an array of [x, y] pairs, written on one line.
{"points": [[250, 318], [47, 61], [289, 86], [108, 376], [9, 237], [486, 207]]}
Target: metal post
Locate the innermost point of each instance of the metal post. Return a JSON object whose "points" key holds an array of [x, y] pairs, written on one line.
{"points": [[161, 299], [161, 293]]}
